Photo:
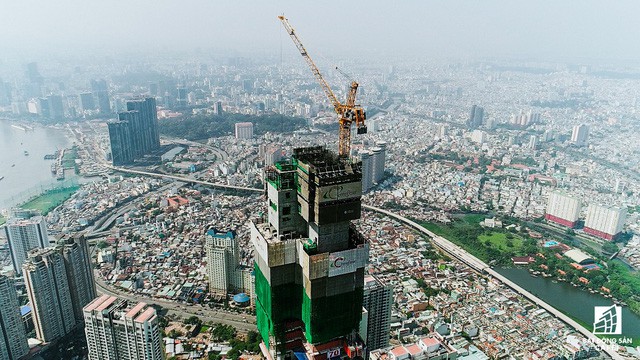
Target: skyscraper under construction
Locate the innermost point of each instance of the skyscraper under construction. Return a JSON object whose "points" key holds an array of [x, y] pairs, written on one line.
{"points": [[309, 258]]}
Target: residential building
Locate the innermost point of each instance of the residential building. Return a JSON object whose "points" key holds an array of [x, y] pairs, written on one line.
{"points": [[117, 331], [563, 209], [136, 133], [77, 261], [378, 301], [47, 286], [604, 221], [244, 130], [13, 339], [122, 145], [100, 90], [222, 260], [149, 135], [580, 134], [25, 230]]}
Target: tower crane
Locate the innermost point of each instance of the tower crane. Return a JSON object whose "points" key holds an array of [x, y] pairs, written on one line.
{"points": [[348, 112]]}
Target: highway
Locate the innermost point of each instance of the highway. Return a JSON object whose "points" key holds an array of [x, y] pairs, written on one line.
{"points": [[185, 179], [478, 265]]}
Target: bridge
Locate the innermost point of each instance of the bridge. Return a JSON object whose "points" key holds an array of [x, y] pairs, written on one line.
{"points": [[478, 265]]}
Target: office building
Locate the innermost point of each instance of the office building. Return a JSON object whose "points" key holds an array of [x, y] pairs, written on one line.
{"points": [[56, 107], [476, 117], [135, 133], [121, 141], [222, 261], [25, 230], [117, 330], [181, 101], [87, 102], [150, 135], [604, 221], [563, 209], [47, 286], [217, 108], [13, 339], [244, 130], [309, 258], [77, 262], [100, 91], [378, 300], [580, 134]]}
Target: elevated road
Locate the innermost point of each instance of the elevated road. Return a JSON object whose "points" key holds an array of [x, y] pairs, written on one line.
{"points": [[478, 265], [185, 179]]}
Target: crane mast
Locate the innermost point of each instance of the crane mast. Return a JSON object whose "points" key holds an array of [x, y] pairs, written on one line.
{"points": [[348, 112]]}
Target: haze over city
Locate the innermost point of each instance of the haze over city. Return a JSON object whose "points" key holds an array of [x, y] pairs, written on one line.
{"points": [[339, 180]]}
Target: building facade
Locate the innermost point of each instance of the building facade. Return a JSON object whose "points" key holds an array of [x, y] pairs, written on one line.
{"points": [[309, 259], [25, 230], [47, 286], [563, 209], [136, 133], [117, 331], [604, 222], [77, 262], [222, 261], [122, 146], [244, 130], [378, 301], [13, 339]]}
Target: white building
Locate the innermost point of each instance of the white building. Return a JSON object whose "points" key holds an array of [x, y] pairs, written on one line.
{"points": [[222, 261], [367, 164], [244, 130], [605, 222], [47, 286], [533, 142], [580, 134], [378, 156], [13, 339], [478, 136], [115, 330], [563, 209], [25, 230]]}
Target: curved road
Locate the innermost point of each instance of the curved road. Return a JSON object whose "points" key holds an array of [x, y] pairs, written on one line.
{"points": [[480, 266]]}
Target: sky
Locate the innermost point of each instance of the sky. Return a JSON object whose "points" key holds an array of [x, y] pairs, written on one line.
{"points": [[540, 29]]}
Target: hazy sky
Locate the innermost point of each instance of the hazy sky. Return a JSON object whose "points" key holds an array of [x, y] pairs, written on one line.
{"points": [[536, 28]]}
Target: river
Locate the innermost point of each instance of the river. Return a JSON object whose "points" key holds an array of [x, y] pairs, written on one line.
{"points": [[23, 175], [572, 301]]}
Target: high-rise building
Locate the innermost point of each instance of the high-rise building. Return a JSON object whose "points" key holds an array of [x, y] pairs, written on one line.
{"points": [[366, 158], [25, 230], [378, 300], [116, 330], [533, 142], [580, 134], [13, 339], [87, 102], [121, 141], [56, 107], [476, 117], [563, 209], [47, 286], [100, 90], [150, 137], [525, 119], [181, 101], [217, 108], [244, 130], [604, 221], [309, 258], [222, 260], [479, 137], [77, 262], [379, 154], [136, 133]]}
